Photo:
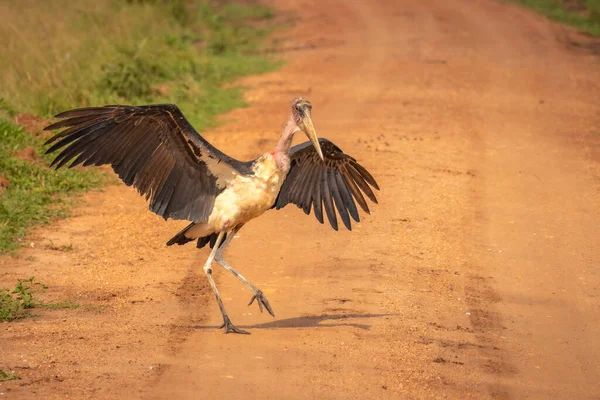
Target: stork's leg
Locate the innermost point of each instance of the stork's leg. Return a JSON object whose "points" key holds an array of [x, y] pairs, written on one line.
{"points": [[258, 294], [227, 325]]}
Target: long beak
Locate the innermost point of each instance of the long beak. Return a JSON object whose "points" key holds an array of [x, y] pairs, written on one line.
{"points": [[311, 133]]}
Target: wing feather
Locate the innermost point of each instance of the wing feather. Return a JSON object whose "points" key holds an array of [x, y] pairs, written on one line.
{"points": [[317, 199], [298, 184], [346, 196], [328, 201], [153, 148], [82, 112], [356, 193], [307, 191], [365, 174], [364, 186], [337, 198], [337, 182]]}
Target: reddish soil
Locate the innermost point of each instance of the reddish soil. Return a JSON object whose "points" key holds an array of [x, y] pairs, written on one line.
{"points": [[28, 154], [32, 124], [476, 276], [4, 184]]}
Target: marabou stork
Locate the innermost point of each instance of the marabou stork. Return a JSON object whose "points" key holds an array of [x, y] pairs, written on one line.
{"points": [[155, 149]]}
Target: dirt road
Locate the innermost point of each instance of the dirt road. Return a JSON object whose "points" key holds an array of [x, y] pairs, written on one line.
{"points": [[478, 275]]}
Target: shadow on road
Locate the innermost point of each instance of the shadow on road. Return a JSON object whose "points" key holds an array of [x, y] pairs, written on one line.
{"points": [[310, 321]]}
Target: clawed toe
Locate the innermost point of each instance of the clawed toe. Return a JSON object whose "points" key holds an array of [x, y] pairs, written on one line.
{"points": [[262, 301], [228, 327]]}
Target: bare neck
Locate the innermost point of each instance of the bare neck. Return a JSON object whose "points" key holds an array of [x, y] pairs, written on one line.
{"points": [[285, 140], [282, 150]]}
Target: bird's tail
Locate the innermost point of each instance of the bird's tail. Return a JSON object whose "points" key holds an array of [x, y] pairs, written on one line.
{"points": [[180, 238], [210, 239]]}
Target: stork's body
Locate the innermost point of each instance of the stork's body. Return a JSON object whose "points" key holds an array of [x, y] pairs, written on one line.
{"points": [[157, 151], [245, 198]]}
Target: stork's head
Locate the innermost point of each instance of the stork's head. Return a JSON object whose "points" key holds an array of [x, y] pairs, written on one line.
{"points": [[301, 110]]}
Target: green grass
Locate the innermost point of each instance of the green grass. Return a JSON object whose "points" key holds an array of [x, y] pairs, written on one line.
{"points": [[582, 14], [7, 376], [18, 303], [61, 305], [107, 52], [63, 54], [37, 194]]}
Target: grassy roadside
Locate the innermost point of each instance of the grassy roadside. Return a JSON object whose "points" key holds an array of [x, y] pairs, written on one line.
{"points": [[65, 54], [20, 302], [582, 14], [36, 193], [17, 303]]}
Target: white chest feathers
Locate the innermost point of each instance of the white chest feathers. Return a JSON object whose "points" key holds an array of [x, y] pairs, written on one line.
{"points": [[248, 196]]}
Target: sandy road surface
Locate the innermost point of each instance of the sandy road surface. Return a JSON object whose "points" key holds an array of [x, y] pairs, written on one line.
{"points": [[477, 276]]}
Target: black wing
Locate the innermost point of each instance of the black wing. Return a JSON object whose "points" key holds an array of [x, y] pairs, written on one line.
{"points": [[338, 180], [155, 149]]}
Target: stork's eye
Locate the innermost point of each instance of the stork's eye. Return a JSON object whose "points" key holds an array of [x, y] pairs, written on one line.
{"points": [[303, 106]]}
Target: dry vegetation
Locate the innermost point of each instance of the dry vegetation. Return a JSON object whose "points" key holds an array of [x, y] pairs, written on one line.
{"points": [[62, 54], [65, 54]]}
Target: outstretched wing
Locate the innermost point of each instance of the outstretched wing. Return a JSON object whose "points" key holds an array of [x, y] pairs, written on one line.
{"points": [[336, 182], [155, 149]]}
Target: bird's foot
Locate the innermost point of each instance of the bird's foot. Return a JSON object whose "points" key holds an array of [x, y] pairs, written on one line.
{"points": [[228, 327], [262, 302]]}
